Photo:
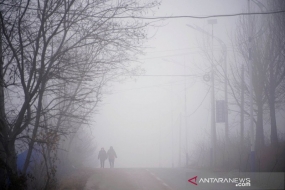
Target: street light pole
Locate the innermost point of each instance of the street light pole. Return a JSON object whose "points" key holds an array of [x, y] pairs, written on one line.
{"points": [[172, 134], [213, 121], [226, 103], [186, 127], [180, 141], [252, 151], [225, 77]]}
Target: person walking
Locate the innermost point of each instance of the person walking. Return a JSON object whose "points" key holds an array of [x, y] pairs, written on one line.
{"points": [[102, 157], [111, 155]]}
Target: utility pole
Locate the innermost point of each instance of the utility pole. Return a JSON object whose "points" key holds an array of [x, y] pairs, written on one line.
{"points": [[213, 121], [180, 141], [225, 72], [242, 107], [186, 127], [172, 134], [226, 103], [252, 149], [159, 153]]}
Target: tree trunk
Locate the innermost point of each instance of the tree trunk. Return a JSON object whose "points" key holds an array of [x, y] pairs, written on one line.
{"points": [[3, 155], [12, 156], [259, 127], [38, 116], [273, 136]]}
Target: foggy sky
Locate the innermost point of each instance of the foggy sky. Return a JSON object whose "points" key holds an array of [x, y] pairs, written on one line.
{"points": [[142, 115]]}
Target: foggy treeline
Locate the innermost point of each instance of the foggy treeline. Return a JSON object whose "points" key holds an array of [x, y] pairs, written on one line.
{"points": [[268, 69], [259, 41], [55, 58]]}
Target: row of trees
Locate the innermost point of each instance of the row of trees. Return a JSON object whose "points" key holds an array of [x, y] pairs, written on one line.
{"points": [[259, 40], [262, 38], [55, 58]]}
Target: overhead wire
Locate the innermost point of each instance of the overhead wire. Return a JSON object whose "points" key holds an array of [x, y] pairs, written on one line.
{"points": [[152, 18], [202, 17], [163, 75], [145, 87], [217, 48], [157, 18], [168, 50], [200, 103], [173, 55]]}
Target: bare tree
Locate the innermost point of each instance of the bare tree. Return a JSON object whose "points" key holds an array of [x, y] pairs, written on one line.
{"points": [[267, 51], [60, 52], [250, 28], [275, 47]]}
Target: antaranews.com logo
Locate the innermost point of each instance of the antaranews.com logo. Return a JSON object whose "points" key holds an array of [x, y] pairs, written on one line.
{"points": [[238, 182]]}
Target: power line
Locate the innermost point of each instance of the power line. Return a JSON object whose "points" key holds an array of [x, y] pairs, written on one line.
{"points": [[177, 49], [201, 17], [200, 103], [173, 55], [153, 18], [145, 87], [163, 75]]}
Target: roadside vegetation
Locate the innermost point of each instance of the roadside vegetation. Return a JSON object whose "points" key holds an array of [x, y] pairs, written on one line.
{"points": [[55, 58], [257, 41]]}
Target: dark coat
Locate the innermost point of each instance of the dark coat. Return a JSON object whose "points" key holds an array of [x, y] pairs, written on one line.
{"points": [[102, 155], [111, 154]]}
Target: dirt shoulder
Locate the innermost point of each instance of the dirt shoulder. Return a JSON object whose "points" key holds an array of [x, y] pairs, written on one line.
{"points": [[76, 180]]}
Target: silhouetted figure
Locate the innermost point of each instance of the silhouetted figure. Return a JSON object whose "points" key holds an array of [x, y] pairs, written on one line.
{"points": [[102, 157], [111, 155]]}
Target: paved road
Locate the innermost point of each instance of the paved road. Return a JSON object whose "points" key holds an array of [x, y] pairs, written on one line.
{"points": [[177, 179], [153, 179], [141, 179], [124, 179]]}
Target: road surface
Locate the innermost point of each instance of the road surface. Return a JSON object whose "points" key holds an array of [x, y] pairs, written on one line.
{"points": [[141, 179], [155, 179], [124, 179]]}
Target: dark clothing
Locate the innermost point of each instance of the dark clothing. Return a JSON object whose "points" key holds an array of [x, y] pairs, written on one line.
{"points": [[111, 161], [102, 162], [102, 156], [111, 155]]}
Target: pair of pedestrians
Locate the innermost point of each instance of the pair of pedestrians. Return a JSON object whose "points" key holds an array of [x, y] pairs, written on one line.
{"points": [[111, 155]]}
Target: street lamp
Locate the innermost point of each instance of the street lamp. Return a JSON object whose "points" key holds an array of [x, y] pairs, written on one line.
{"points": [[252, 140], [207, 78], [213, 122]]}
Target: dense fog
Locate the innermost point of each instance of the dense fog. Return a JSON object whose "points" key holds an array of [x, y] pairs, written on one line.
{"points": [[141, 115], [162, 86]]}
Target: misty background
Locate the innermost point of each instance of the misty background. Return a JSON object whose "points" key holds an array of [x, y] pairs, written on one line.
{"points": [[78, 76], [141, 116]]}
